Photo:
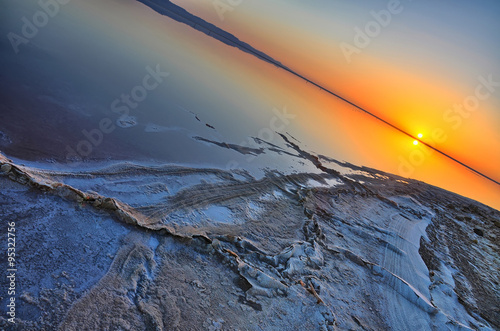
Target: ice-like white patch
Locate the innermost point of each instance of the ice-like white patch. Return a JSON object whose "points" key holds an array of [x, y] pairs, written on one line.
{"points": [[328, 182], [277, 194], [218, 214], [274, 195], [239, 177], [335, 166], [126, 121], [254, 210], [153, 243], [290, 188]]}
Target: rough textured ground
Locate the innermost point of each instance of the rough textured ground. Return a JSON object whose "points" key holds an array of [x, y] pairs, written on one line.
{"points": [[131, 247]]}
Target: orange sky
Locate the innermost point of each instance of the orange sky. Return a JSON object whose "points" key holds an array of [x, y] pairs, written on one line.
{"points": [[410, 76]]}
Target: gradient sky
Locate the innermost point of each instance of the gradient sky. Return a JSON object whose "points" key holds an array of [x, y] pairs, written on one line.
{"points": [[426, 60]]}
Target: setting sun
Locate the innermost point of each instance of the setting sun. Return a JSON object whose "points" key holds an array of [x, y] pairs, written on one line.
{"points": [[420, 135], [415, 142]]}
